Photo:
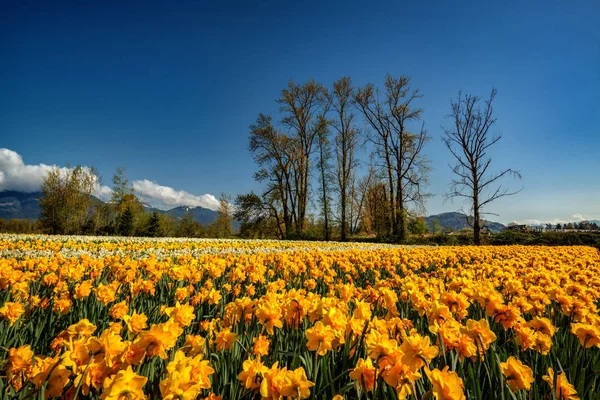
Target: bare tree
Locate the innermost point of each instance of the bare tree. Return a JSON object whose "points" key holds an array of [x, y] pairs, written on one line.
{"points": [[400, 149], [469, 140], [274, 153], [346, 144], [325, 175], [301, 105]]}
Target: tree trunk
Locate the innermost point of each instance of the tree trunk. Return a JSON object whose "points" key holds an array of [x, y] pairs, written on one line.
{"points": [[392, 203], [400, 212], [325, 200], [343, 205], [302, 197], [400, 215], [476, 222], [326, 228]]}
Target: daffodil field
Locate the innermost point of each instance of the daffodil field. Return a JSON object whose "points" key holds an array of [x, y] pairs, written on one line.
{"points": [[115, 318]]}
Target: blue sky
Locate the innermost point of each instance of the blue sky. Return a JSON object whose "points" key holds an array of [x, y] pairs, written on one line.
{"points": [[169, 90]]}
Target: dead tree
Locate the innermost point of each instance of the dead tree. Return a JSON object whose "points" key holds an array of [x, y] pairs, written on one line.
{"points": [[469, 140]]}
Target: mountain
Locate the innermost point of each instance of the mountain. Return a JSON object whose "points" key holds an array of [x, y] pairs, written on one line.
{"points": [[200, 214], [456, 221], [19, 205]]}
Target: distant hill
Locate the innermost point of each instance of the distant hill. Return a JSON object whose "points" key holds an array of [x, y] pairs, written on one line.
{"points": [[202, 215], [21, 205], [456, 221]]}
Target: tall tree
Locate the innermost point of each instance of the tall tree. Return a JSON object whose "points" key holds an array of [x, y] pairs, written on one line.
{"points": [[153, 227], [275, 154], [399, 148], [125, 226], [469, 139], [325, 175], [123, 199], [300, 105], [341, 99], [121, 188]]}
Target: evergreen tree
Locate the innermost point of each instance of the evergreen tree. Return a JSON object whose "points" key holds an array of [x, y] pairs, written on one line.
{"points": [[126, 223], [153, 225]]}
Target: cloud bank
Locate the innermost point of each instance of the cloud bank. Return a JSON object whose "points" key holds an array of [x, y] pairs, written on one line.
{"points": [[577, 217], [554, 221], [18, 176], [173, 198], [15, 175]]}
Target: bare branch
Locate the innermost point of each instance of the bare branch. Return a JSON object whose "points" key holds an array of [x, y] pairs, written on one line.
{"points": [[468, 141]]}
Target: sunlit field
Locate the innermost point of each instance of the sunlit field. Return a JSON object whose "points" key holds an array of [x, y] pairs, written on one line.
{"points": [[111, 318]]}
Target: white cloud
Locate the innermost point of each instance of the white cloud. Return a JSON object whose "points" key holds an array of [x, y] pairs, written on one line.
{"points": [[557, 221], [103, 192], [577, 217], [171, 197], [533, 222], [16, 175], [574, 218]]}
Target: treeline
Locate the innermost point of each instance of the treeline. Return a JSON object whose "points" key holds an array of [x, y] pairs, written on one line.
{"points": [[308, 159], [68, 207], [20, 226], [558, 238], [583, 226]]}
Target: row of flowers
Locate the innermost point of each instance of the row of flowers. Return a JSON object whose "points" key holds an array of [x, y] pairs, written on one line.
{"points": [[452, 323]]}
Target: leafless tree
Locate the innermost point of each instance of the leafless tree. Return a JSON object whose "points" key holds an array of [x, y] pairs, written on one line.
{"points": [[400, 149], [469, 140], [301, 106], [274, 153], [341, 99], [325, 175]]}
